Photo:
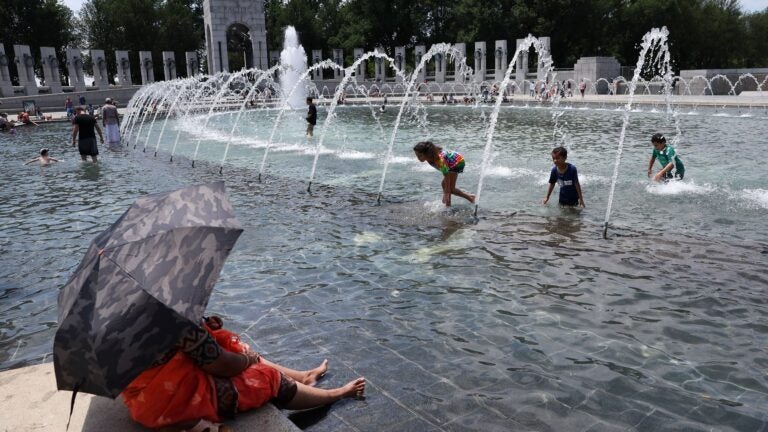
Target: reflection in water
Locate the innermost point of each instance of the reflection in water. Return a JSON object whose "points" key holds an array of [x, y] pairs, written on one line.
{"points": [[89, 171]]}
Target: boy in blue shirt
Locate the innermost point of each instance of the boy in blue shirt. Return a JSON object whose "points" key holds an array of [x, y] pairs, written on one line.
{"points": [[667, 158], [566, 176]]}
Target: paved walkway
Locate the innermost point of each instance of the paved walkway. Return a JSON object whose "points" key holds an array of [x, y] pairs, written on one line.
{"points": [[30, 402]]}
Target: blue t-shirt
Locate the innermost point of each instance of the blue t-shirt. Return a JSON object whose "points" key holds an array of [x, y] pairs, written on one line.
{"points": [[567, 181]]}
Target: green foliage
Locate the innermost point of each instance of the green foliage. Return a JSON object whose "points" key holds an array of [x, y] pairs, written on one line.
{"points": [[142, 25], [703, 33], [37, 23]]}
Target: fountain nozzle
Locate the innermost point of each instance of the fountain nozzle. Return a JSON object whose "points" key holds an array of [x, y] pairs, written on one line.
{"points": [[605, 231], [309, 187]]}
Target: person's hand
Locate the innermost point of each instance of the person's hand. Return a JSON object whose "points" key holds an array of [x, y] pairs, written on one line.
{"points": [[649, 172], [214, 322], [581, 204], [658, 177], [545, 201]]}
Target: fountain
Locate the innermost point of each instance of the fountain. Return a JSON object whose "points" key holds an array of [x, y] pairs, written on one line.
{"points": [[505, 315], [294, 59]]}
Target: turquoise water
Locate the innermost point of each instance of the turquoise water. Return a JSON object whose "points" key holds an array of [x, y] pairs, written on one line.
{"points": [[525, 319]]}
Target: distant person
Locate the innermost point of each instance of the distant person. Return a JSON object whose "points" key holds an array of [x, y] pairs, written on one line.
{"points": [[44, 159], [582, 87], [667, 158], [111, 121], [5, 125], [83, 134], [69, 107], [450, 163], [81, 100], [311, 116], [567, 177], [24, 118]]}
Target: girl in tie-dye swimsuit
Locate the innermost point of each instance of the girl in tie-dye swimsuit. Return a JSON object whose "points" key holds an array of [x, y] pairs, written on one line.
{"points": [[450, 163]]}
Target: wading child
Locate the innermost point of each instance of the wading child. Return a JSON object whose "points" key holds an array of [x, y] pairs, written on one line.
{"points": [[667, 158], [566, 176], [450, 163], [44, 159]]}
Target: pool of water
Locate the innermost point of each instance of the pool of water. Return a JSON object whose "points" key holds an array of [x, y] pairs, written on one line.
{"points": [[522, 319]]}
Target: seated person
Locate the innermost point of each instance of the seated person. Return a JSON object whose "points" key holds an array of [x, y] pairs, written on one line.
{"points": [[211, 375]]}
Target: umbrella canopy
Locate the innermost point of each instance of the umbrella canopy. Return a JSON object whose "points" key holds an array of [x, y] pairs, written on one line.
{"points": [[141, 284]]}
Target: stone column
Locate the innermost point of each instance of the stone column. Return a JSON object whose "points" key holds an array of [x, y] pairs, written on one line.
{"points": [[123, 69], [480, 56], [591, 69], [500, 60], [193, 64], [274, 58], [25, 65], [147, 67], [317, 57], [360, 70], [418, 53], [169, 65], [100, 73], [50, 69], [459, 58], [6, 86], [541, 73], [440, 64], [400, 60], [75, 67], [338, 58], [521, 67], [379, 69]]}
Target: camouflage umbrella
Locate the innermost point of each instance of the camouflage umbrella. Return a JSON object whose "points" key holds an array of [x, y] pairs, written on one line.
{"points": [[142, 282]]}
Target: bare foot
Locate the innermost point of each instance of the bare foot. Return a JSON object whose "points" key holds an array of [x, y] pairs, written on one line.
{"points": [[314, 375], [355, 389]]}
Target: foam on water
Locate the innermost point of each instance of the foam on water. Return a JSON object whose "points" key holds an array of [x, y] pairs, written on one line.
{"points": [[679, 187], [758, 197]]}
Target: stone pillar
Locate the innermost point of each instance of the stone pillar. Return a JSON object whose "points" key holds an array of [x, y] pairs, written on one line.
{"points": [[400, 58], [274, 58], [123, 69], [459, 59], [521, 67], [418, 53], [50, 69], [480, 56], [541, 73], [25, 65], [500, 60], [100, 73], [338, 58], [193, 64], [169, 65], [147, 67], [440, 64], [317, 57], [590, 69], [360, 70], [6, 86], [379, 71], [75, 67]]}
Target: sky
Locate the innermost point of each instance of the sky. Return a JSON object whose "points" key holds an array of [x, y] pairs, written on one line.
{"points": [[746, 5]]}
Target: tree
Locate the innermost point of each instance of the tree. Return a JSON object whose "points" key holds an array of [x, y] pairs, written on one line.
{"points": [[37, 23]]}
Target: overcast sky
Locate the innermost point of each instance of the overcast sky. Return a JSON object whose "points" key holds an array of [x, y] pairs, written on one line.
{"points": [[747, 5]]}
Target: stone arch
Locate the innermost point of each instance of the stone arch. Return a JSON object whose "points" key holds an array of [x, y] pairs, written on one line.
{"points": [[220, 16]]}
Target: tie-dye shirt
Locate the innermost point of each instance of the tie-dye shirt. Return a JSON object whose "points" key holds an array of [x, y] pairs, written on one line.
{"points": [[449, 161]]}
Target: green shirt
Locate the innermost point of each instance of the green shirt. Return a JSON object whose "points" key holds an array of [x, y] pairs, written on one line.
{"points": [[666, 155]]}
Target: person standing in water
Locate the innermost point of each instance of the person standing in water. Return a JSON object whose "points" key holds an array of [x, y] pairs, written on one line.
{"points": [[567, 177], [83, 135], [450, 163], [111, 121], [311, 116], [667, 158]]}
